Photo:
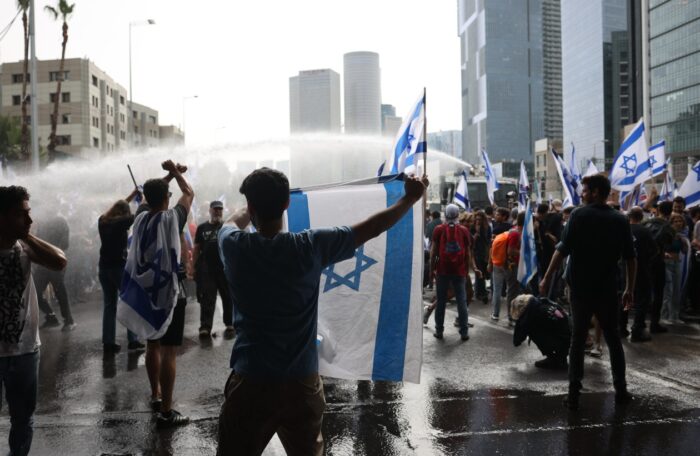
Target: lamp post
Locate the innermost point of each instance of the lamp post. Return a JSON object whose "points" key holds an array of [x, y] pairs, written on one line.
{"points": [[595, 155], [130, 117], [184, 133]]}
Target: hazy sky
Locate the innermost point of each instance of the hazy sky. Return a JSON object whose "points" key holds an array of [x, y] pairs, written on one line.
{"points": [[237, 56]]}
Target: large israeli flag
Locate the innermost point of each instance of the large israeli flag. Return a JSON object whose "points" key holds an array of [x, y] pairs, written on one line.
{"points": [[527, 267], [461, 197], [657, 158], [523, 187], [409, 145], [490, 176], [631, 165], [570, 197], [690, 189], [369, 310]]}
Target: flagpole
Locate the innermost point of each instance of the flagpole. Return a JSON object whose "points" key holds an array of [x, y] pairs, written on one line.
{"points": [[425, 193]]}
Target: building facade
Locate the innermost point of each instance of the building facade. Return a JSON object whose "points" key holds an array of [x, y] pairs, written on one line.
{"points": [[502, 78], [674, 74], [449, 142], [545, 169], [171, 135], [551, 59], [145, 121], [587, 29], [362, 93], [314, 102]]}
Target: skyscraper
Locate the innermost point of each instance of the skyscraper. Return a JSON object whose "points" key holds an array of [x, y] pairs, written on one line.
{"points": [[551, 58], [502, 78], [587, 81], [362, 93], [314, 102], [674, 72]]}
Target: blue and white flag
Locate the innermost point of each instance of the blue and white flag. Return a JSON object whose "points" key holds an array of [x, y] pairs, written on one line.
{"points": [[669, 188], [370, 306], [461, 198], [523, 188], [569, 195], [409, 146], [631, 165], [630, 199], [591, 170], [527, 267], [490, 176], [150, 286], [690, 189], [575, 172], [657, 158]]}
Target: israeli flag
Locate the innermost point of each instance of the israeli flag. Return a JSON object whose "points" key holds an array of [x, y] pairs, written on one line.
{"points": [[523, 187], [591, 170], [570, 197], [690, 189], [630, 199], [409, 146], [370, 306], [491, 180], [657, 158], [527, 267], [150, 286], [631, 165], [461, 198], [575, 172]]}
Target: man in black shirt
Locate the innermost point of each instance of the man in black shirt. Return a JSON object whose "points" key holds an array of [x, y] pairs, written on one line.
{"points": [[500, 221], [596, 237], [646, 250], [209, 273]]}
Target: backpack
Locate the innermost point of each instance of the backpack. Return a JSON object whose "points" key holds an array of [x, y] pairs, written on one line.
{"points": [[498, 249], [661, 231], [453, 252]]}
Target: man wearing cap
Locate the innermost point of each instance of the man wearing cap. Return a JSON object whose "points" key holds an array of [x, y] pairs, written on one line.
{"points": [[209, 273], [449, 257]]}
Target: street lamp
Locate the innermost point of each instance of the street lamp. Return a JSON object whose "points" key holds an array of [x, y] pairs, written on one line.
{"points": [[130, 124], [184, 99], [595, 156]]}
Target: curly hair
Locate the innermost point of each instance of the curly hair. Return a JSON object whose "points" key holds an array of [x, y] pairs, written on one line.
{"points": [[11, 197]]}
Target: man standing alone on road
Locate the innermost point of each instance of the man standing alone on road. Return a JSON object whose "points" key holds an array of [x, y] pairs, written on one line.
{"points": [[596, 237]]}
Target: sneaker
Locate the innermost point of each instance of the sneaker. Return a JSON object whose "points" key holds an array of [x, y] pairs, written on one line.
{"points": [[50, 322], [136, 345], [464, 337], [156, 403], [171, 419], [204, 333], [571, 402], [641, 337], [427, 311], [456, 323], [229, 332], [494, 318], [658, 329], [470, 325], [623, 397], [68, 327], [437, 335], [111, 348]]}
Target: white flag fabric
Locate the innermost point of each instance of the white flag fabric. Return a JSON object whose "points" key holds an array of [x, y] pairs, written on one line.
{"points": [[523, 187], [370, 306], [657, 158], [527, 267], [631, 165], [690, 189], [567, 191], [461, 197], [491, 180], [575, 172], [591, 170], [409, 145]]}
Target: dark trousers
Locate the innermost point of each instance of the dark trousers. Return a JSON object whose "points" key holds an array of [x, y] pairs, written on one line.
{"points": [[253, 411], [642, 301], [18, 375], [208, 285], [605, 309], [658, 282], [480, 282], [110, 279], [42, 278]]}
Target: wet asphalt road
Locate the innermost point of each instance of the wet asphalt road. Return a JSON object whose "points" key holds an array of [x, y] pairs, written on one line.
{"points": [[480, 397]]}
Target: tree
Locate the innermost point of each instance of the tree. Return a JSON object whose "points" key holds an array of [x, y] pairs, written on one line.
{"points": [[24, 146], [62, 10]]}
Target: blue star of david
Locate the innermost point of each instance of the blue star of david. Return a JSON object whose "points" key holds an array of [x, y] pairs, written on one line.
{"points": [[652, 161], [351, 279], [696, 168], [627, 159]]}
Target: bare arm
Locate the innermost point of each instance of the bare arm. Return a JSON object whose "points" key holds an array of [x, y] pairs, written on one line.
{"points": [[132, 195], [240, 218], [44, 254], [631, 277], [175, 172], [554, 266], [383, 220], [433, 256]]}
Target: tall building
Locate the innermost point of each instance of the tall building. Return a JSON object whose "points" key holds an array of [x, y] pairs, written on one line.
{"points": [[362, 93], [449, 142], [502, 78], [621, 98], [390, 121], [674, 74], [314, 102], [145, 122], [551, 59], [587, 49]]}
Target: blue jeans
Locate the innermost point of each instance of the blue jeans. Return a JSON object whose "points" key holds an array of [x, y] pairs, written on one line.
{"points": [[671, 309], [110, 279], [18, 375], [442, 283], [498, 280]]}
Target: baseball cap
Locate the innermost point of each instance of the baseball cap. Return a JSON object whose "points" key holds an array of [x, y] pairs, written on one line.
{"points": [[216, 205], [451, 212]]}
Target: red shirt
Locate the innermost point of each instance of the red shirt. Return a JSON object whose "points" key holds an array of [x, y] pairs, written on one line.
{"points": [[514, 245], [463, 239]]}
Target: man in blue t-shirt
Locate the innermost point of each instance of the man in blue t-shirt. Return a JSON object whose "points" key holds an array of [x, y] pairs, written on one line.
{"points": [[274, 276]]}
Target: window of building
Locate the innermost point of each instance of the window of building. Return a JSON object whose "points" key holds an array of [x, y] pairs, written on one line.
{"points": [[95, 142], [18, 79], [65, 97], [121, 100], [65, 118], [63, 140], [52, 97], [54, 75], [16, 100], [122, 134], [136, 130], [96, 122], [94, 80], [135, 115], [121, 117], [152, 119]]}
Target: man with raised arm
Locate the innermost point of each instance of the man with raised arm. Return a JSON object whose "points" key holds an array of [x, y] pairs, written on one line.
{"points": [[274, 276], [19, 312]]}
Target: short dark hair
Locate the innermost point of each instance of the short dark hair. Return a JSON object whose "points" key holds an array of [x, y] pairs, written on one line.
{"points": [[665, 208], [679, 199], [694, 212], [598, 182], [11, 197], [542, 208], [503, 212], [156, 192], [636, 214], [488, 210], [435, 214], [267, 190]]}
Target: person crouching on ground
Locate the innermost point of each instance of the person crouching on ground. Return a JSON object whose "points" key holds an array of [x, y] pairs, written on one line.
{"points": [[546, 324]]}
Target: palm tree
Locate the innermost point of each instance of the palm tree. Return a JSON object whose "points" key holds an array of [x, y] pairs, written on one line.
{"points": [[62, 10], [24, 143]]}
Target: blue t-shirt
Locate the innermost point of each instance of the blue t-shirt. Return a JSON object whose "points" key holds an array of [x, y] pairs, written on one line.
{"points": [[275, 284]]}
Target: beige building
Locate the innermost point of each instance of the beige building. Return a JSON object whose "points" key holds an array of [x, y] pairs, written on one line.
{"points": [[545, 169], [171, 135], [145, 121], [92, 110]]}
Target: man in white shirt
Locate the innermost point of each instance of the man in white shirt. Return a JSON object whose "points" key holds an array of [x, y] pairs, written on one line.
{"points": [[19, 312]]}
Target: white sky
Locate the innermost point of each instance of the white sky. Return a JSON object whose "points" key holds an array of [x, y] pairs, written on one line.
{"points": [[237, 56]]}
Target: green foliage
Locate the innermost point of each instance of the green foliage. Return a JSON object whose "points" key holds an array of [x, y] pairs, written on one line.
{"points": [[62, 9], [10, 138]]}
